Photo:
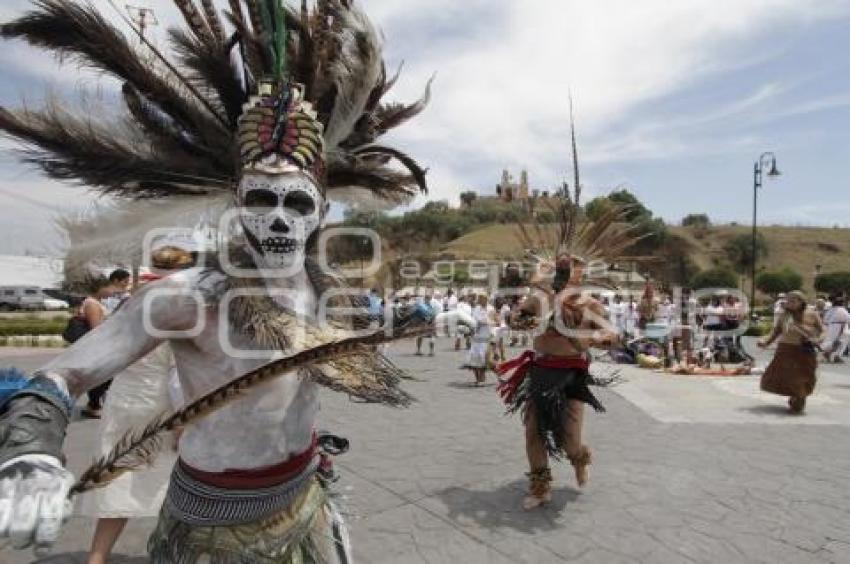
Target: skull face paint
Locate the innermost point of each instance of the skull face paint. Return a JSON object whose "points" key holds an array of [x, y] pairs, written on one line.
{"points": [[279, 213]]}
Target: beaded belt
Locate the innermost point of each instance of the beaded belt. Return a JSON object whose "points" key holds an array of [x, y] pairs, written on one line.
{"points": [[198, 504]]}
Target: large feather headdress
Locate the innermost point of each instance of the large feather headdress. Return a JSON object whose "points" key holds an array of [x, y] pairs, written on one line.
{"points": [[262, 82], [571, 238]]}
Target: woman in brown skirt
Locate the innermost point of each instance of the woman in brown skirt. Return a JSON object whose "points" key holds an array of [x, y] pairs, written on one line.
{"points": [[792, 371]]}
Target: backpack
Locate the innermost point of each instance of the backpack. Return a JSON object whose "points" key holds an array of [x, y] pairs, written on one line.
{"points": [[76, 328]]}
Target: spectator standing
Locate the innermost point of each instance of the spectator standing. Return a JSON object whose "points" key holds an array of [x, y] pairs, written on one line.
{"points": [[136, 397], [837, 322], [712, 319], [778, 308], [93, 312], [119, 284], [631, 318], [376, 308], [464, 306], [648, 306], [477, 358], [618, 314]]}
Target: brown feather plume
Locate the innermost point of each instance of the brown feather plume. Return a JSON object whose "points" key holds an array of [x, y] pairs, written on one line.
{"points": [[213, 20], [195, 20], [107, 156], [210, 69], [138, 447], [86, 36], [183, 116]]}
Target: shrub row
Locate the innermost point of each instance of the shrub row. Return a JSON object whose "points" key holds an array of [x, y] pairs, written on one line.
{"points": [[10, 327]]}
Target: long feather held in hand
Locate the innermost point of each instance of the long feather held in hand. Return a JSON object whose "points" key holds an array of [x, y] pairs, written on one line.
{"points": [[138, 448]]}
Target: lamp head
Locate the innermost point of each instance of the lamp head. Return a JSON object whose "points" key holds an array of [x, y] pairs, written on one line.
{"points": [[773, 172]]}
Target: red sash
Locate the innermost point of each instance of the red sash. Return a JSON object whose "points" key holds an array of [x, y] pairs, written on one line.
{"points": [[256, 478], [507, 388]]}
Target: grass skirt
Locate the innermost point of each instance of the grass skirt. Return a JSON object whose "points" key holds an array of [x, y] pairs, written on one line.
{"points": [[545, 393], [310, 531]]}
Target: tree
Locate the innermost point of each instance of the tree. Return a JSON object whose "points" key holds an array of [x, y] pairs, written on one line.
{"points": [[739, 251], [637, 211], [696, 220], [468, 198], [776, 281], [833, 283], [721, 277], [596, 207], [652, 229]]}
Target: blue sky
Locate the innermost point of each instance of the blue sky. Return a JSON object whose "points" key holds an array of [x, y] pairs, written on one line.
{"points": [[674, 100]]}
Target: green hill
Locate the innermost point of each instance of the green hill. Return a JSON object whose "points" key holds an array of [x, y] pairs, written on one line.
{"points": [[800, 248]]}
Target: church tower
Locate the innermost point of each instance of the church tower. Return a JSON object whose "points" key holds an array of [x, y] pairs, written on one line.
{"points": [[523, 185]]}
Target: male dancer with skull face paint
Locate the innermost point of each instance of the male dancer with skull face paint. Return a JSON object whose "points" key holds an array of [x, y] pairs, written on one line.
{"points": [[287, 110]]}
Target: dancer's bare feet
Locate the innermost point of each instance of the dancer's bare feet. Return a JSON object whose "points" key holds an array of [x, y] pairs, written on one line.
{"points": [[580, 463], [539, 489]]}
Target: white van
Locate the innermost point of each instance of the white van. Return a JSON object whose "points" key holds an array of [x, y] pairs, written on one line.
{"points": [[21, 298]]}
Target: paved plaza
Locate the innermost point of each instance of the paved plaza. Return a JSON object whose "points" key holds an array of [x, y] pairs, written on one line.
{"points": [[686, 469]]}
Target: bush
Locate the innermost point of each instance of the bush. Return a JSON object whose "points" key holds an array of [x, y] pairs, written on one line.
{"points": [[11, 327], [653, 230], [833, 283], [775, 281], [696, 220], [715, 278]]}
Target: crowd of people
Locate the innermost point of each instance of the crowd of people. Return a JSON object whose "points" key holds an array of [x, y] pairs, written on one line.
{"points": [[646, 322]]}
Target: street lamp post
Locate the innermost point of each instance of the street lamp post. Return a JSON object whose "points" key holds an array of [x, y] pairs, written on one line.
{"points": [[767, 159]]}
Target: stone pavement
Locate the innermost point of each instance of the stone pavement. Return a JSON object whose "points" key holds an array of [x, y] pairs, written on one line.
{"points": [[686, 469]]}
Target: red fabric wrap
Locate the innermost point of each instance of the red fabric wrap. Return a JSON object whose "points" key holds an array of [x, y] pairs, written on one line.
{"points": [[256, 478], [507, 388]]}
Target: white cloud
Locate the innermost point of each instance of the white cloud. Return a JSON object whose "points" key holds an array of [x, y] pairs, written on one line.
{"points": [[501, 100], [505, 67]]}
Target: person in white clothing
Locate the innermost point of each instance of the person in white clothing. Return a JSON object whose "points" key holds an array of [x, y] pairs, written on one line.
{"points": [[778, 308], [451, 301], [712, 320], [464, 307], [665, 311], [450, 304], [504, 330], [630, 319], [477, 358], [618, 314], [150, 388], [837, 321]]}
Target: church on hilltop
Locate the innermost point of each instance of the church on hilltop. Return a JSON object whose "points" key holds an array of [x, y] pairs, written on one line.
{"points": [[508, 190], [510, 193]]}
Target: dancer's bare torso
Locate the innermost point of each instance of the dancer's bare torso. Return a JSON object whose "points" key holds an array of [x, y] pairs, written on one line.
{"points": [[264, 427], [579, 325]]}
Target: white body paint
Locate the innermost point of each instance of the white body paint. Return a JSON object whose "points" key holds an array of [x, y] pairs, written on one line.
{"points": [[265, 427]]}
